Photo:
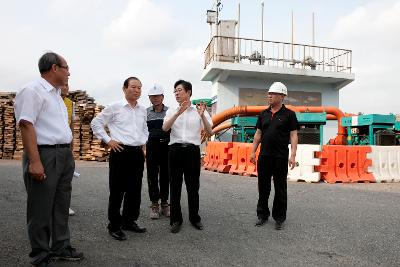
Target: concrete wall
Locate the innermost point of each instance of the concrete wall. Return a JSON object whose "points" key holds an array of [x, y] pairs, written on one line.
{"points": [[228, 94]]}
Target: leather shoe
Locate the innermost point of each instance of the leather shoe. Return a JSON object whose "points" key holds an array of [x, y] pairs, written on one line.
{"points": [[43, 263], [118, 235], [134, 227], [175, 227], [279, 225], [260, 222], [198, 225]]}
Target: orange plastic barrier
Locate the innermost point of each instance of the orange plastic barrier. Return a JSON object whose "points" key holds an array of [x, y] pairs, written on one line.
{"points": [[221, 157], [238, 159], [209, 158], [251, 169], [345, 164]]}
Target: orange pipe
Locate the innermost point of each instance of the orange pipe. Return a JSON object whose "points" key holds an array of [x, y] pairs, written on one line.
{"points": [[222, 126], [331, 117], [228, 124], [255, 110]]}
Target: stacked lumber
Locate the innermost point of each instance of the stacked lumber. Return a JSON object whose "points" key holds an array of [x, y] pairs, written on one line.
{"points": [[85, 145], [1, 129], [7, 125], [19, 148], [98, 149]]}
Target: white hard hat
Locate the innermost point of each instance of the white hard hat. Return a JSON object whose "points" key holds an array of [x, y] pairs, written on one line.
{"points": [[278, 87], [156, 90]]}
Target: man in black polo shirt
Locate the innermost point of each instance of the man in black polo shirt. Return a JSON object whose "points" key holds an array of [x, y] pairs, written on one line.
{"points": [[157, 154], [275, 127]]}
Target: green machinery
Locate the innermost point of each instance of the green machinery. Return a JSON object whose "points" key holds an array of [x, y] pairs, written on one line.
{"points": [[371, 129], [397, 131], [311, 128], [244, 129]]}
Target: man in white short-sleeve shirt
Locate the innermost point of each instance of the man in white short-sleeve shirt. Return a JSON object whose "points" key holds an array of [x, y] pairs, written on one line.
{"points": [[48, 164]]}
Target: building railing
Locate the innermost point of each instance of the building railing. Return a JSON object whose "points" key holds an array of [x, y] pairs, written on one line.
{"points": [[277, 54]]}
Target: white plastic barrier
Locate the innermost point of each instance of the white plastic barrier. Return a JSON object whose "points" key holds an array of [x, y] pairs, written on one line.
{"points": [[305, 162], [385, 163]]}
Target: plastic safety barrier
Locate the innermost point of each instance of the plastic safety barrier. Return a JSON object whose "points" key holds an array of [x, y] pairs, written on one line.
{"points": [[385, 163], [305, 164], [251, 169], [209, 157], [216, 158], [221, 157], [238, 160], [345, 164]]}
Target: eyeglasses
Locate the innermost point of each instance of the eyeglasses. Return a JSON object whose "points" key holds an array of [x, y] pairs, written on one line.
{"points": [[64, 67]]}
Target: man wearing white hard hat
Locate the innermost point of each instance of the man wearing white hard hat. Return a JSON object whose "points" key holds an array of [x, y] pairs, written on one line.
{"points": [[157, 154], [276, 127]]}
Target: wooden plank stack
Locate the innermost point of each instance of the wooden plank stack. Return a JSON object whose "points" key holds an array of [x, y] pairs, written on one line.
{"points": [[19, 148], [8, 125], [98, 148], [86, 146], [1, 129]]}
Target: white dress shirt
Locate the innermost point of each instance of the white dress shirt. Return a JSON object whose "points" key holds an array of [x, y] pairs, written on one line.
{"points": [[127, 125], [187, 127], [41, 104]]}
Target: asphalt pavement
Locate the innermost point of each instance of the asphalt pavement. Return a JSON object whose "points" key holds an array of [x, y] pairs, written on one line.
{"points": [[327, 225]]}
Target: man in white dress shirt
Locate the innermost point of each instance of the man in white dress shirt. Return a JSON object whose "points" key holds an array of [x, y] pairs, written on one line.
{"points": [[186, 122], [126, 121], [48, 163]]}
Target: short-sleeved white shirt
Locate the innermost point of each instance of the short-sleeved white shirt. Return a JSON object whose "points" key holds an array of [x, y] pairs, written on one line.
{"points": [[41, 104], [187, 127]]}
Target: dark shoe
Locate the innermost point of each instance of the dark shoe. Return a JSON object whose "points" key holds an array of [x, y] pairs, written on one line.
{"points": [[175, 227], [118, 235], [43, 263], [134, 227], [165, 209], [260, 222], [279, 225], [198, 225], [68, 254]]}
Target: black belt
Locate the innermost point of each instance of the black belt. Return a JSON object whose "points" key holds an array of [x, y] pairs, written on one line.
{"points": [[159, 140], [131, 147], [55, 146], [184, 145]]}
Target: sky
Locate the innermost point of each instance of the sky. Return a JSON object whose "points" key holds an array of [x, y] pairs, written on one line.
{"points": [[161, 41]]}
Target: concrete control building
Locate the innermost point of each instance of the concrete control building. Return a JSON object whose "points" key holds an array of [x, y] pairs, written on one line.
{"points": [[240, 70]]}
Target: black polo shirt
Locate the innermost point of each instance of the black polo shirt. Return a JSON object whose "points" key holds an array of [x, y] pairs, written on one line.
{"points": [[155, 122], [275, 131]]}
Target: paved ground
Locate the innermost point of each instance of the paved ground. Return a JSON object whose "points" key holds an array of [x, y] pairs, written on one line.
{"points": [[328, 225]]}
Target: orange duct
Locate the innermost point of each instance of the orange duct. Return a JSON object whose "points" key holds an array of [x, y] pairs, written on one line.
{"points": [[255, 110], [222, 126]]}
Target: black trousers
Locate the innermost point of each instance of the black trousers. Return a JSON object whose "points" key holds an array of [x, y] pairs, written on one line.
{"points": [[184, 162], [157, 170], [278, 168], [125, 182]]}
